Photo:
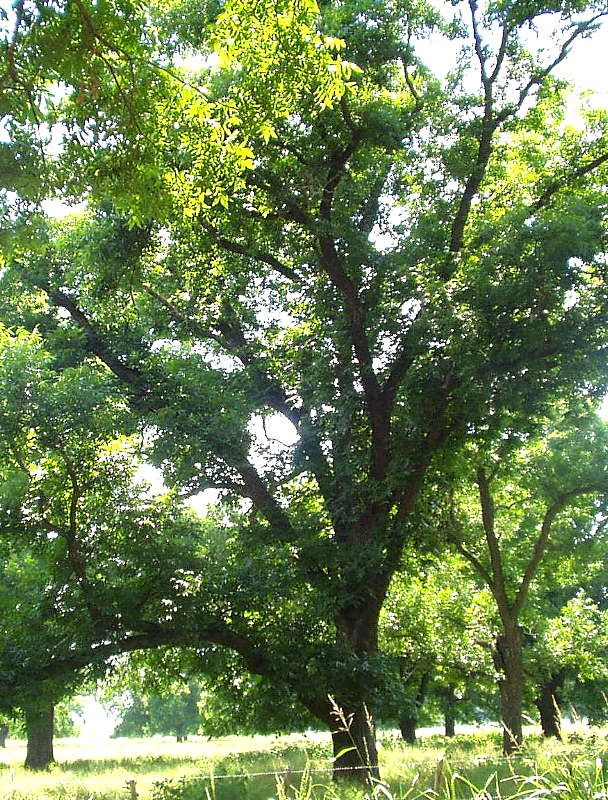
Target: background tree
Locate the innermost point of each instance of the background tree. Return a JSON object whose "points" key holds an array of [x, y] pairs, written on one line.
{"points": [[175, 714], [75, 535], [548, 487], [438, 627]]}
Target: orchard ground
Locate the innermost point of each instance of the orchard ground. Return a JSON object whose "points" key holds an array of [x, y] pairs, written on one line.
{"points": [[435, 767]]}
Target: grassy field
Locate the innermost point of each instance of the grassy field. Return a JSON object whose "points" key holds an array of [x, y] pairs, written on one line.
{"points": [[468, 766]]}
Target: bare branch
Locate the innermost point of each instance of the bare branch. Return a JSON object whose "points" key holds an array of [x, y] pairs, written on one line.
{"points": [[536, 80]]}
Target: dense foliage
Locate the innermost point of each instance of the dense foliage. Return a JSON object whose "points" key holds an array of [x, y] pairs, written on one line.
{"points": [[288, 217]]}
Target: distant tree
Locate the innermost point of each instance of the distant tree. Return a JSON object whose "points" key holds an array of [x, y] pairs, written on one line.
{"points": [[175, 714], [438, 628], [75, 533], [569, 647], [521, 500], [4, 729]]}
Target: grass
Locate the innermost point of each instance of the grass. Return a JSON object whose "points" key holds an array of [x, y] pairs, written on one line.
{"points": [[467, 767]]}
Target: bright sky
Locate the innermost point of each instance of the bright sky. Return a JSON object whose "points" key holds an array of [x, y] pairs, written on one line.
{"points": [[97, 725]]}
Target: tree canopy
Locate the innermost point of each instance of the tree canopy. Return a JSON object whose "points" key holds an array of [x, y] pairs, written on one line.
{"points": [[289, 216]]}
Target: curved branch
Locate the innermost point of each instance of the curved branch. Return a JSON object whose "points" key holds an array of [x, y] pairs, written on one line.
{"points": [[540, 545], [248, 252], [560, 183]]}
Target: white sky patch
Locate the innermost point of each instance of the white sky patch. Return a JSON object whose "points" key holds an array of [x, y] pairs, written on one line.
{"points": [[153, 476], [97, 724], [274, 428], [58, 209], [197, 61]]}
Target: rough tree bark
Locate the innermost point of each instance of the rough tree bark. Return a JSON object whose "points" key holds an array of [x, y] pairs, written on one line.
{"points": [[354, 745], [39, 725], [352, 726]]}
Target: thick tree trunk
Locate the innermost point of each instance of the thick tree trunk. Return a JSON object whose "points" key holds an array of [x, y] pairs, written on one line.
{"points": [[547, 702], [449, 711], [3, 734], [354, 745], [508, 658], [39, 724], [351, 721]]}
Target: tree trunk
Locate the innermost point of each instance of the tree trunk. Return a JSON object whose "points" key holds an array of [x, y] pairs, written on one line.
{"points": [[3, 734], [39, 724], [547, 702], [354, 745], [508, 658], [408, 721], [351, 722], [407, 726], [449, 711]]}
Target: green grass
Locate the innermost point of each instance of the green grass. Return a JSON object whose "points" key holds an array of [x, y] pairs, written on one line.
{"points": [[471, 769]]}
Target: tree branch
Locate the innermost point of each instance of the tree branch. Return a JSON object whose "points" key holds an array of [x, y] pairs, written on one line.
{"points": [[492, 121], [498, 584], [563, 182], [455, 539], [356, 311], [256, 255], [93, 341], [540, 545]]}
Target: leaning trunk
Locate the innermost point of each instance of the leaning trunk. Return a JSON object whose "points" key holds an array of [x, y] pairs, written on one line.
{"points": [[39, 725], [508, 657], [547, 702]]}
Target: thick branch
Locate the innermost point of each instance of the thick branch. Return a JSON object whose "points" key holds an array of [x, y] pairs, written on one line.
{"points": [[94, 342], [287, 206], [356, 311], [261, 497], [276, 397]]}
